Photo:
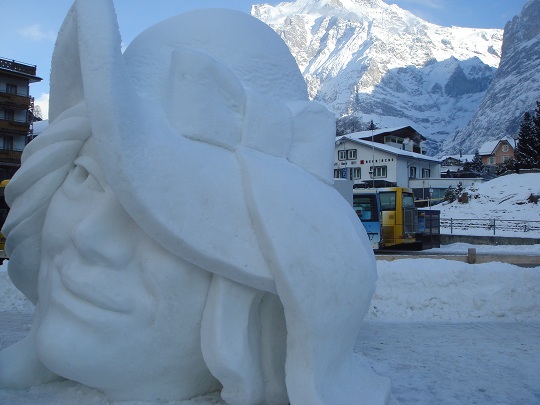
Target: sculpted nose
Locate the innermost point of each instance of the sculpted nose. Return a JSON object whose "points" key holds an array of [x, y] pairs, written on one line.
{"points": [[106, 235]]}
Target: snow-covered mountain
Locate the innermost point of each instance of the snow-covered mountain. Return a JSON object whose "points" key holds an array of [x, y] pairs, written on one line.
{"points": [[515, 88], [380, 62]]}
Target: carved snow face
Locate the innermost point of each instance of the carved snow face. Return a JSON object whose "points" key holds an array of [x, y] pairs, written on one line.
{"points": [[196, 126], [129, 312]]}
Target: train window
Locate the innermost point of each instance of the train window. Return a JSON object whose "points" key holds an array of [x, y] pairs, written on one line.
{"points": [[366, 207], [388, 200], [408, 200]]}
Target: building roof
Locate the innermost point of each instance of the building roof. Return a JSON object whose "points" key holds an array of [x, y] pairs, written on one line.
{"points": [[488, 148], [380, 131], [461, 158], [40, 126], [20, 69], [386, 148]]}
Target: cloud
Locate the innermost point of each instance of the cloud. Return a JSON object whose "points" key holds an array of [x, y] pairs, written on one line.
{"points": [[35, 32]]}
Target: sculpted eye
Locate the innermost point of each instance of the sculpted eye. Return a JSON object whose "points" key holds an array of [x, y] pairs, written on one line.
{"points": [[86, 174]]}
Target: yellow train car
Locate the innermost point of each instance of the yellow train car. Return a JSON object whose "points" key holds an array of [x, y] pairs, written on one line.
{"points": [[392, 219]]}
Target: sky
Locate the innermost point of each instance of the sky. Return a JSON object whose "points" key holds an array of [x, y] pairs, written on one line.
{"points": [[28, 35]]}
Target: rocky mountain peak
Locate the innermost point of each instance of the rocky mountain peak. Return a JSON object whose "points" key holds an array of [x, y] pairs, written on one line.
{"points": [[522, 28], [381, 63], [514, 89]]}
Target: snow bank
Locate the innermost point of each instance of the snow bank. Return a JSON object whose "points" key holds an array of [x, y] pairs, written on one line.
{"points": [[445, 290]]}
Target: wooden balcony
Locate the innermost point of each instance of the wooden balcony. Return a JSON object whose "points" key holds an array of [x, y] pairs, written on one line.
{"points": [[10, 155], [15, 100], [14, 127]]}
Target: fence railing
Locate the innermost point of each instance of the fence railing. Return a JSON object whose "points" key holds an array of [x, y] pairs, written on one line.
{"points": [[490, 225]]}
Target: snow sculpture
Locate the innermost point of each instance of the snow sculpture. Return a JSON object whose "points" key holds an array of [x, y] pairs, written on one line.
{"points": [[176, 224]]}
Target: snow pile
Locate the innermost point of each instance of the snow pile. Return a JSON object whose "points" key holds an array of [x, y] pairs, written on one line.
{"points": [[444, 290], [504, 198]]}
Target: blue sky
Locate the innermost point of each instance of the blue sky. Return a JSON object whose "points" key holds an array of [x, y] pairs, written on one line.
{"points": [[29, 27]]}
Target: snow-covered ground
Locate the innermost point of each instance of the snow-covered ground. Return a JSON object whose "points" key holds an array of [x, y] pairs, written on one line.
{"points": [[444, 332], [504, 198]]}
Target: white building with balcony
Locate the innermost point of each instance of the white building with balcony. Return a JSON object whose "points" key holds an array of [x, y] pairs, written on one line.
{"points": [[386, 157]]}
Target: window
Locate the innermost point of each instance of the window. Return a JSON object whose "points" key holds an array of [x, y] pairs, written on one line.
{"points": [[408, 200], [9, 115], [491, 160], [349, 154], [379, 171], [356, 173], [506, 158], [7, 142], [426, 173], [366, 207], [412, 172], [11, 88], [388, 200], [505, 148], [340, 173]]}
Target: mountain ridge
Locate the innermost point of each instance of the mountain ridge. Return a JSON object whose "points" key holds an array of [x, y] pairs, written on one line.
{"points": [[515, 87], [382, 63]]}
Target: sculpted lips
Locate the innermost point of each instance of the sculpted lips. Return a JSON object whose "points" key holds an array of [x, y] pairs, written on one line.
{"points": [[93, 285]]}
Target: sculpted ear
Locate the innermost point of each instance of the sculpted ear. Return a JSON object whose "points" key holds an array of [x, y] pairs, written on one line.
{"points": [[66, 79], [207, 99], [88, 45]]}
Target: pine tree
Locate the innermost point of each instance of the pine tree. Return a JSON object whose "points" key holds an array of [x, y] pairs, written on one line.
{"points": [[348, 125], [372, 126], [450, 194], [475, 165], [528, 147], [535, 140]]}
